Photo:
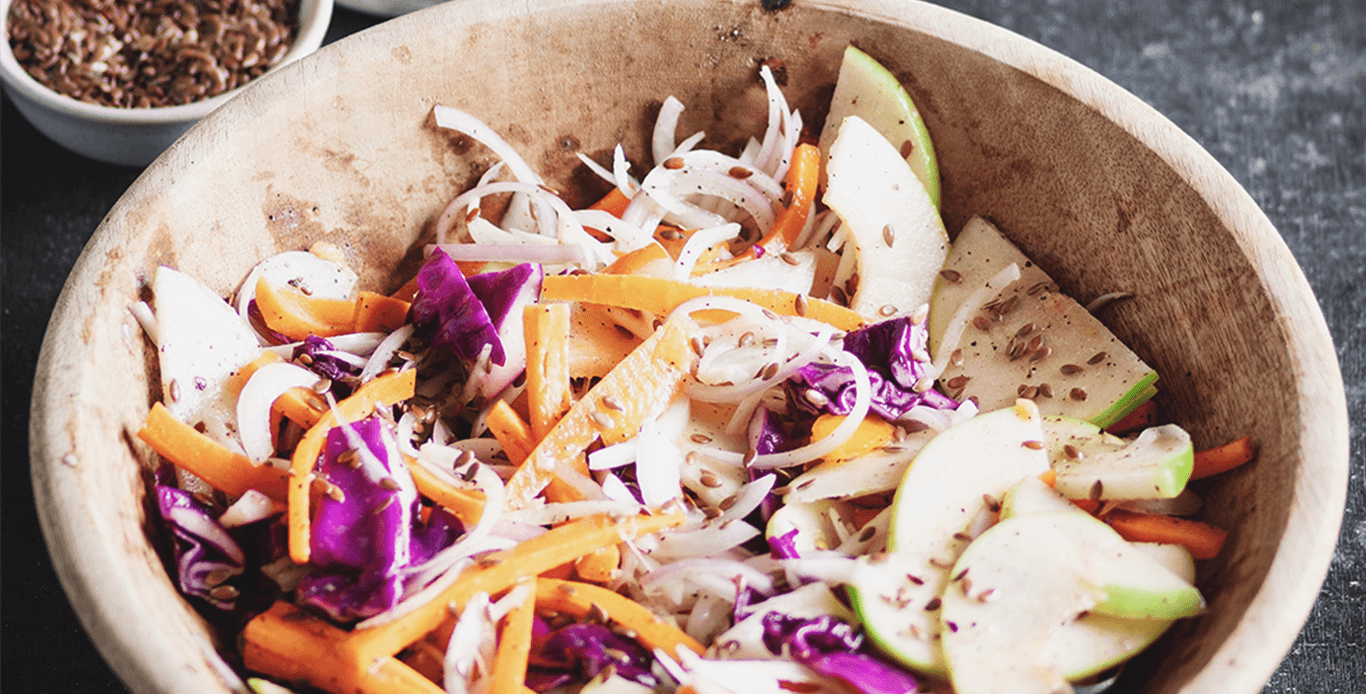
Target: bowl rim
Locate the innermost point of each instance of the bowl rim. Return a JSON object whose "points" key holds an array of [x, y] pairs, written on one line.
{"points": [[1272, 620], [314, 18]]}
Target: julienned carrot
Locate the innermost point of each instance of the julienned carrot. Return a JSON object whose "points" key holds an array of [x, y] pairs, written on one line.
{"points": [[467, 505], [388, 389], [1141, 417], [297, 315], [501, 570], [1049, 477], [301, 405], [578, 599], [802, 176], [597, 342], [1223, 458], [223, 468], [289, 644], [635, 261], [375, 313], [872, 433], [1202, 540], [636, 390], [661, 296], [546, 327], [600, 566], [407, 292], [511, 431], [508, 672], [614, 202]]}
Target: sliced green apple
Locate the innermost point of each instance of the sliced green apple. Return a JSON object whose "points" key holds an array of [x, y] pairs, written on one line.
{"points": [[944, 497], [1025, 580], [1031, 339], [1031, 496], [895, 231], [1093, 464], [201, 343], [868, 90], [871, 473]]}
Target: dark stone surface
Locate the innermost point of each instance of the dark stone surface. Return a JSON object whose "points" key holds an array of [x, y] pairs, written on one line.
{"points": [[1275, 90]]}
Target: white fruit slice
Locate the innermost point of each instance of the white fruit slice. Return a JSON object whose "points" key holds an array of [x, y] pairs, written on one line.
{"points": [[940, 503], [1024, 580], [897, 236], [1093, 464], [1031, 336], [872, 473], [1013, 588], [815, 523], [203, 343], [1032, 496], [868, 90]]}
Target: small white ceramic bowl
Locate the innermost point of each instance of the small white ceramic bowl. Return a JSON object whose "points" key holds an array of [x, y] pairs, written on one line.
{"points": [[130, 136]]}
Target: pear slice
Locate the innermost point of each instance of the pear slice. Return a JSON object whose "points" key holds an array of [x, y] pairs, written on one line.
{"points": [[202, 344], [868, 90], [1032, 496], [1033, 336], [944, 497], [870, 473], [895, 231], [1093, 464]]}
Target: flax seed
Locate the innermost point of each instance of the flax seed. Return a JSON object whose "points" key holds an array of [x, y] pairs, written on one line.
{"points": [[1097, 358], [957, 382], [1036, 288], [1045, 390], [956, 358], [1070, 369], [1078, 394], [982, 323], [740, 172], [933, 604], [992, 503], [611, 403], [1097, 490], [789, 258], [921, 314], [951, 276], [915, 579], [799, 305], [1042, 354], [224, 592], [1033, 445], [173, 390], [888, 235], [389, 483], [700, 439], [1030, 393], [1072, 452], [674, 163]]}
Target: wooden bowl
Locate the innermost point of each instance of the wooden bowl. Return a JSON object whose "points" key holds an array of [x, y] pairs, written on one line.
{"points": [[1101, 190]]}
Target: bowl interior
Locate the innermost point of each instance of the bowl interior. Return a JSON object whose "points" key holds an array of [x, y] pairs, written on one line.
{"points": [[342, 147]]}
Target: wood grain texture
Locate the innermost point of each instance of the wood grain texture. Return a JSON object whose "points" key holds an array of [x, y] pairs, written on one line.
{"points": [[1103, 191]]}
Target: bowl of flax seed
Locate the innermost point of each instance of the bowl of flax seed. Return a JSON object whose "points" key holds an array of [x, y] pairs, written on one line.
{"points": [[120, 80]]}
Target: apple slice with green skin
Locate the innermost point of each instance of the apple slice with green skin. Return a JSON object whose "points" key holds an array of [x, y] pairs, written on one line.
{"points": [[1032, 496], [1032, 339], [897, 236], [938, 505], [1024, 582], [868, 90], [1093, 464], [870, 473]]}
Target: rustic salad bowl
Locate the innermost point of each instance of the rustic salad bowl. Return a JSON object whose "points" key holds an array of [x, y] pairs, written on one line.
{"points": [[1101, 190]]}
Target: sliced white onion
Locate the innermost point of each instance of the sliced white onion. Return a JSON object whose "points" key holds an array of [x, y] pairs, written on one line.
{"points": [[598, 169], [254, 403], [658, 469], [707, 541], [673, 187], [716, 162], [626, 237], [963, 315], [698, 570], [468, 655], [666, 125], [613, 456], [249, 508], [454, 119], [511, 253], [379, 359], [556, 513], [750, 496], [697, 244], [621, 170], [616, 490]]}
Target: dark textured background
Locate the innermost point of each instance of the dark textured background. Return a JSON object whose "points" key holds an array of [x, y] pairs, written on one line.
{"points": [[1275, 90]]}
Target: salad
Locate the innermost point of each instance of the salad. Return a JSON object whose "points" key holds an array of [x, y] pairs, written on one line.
{"points": [[748, 423]]}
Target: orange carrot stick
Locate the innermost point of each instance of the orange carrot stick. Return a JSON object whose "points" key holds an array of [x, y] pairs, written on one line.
{"points": [[614, 202], [802, 176], [578, 599], [301, 405], [501, 570], [1141, 417], [636, 390], [465, 504], [661, 296], [1223, 458], [547, 365], [296, 315], [222, 468], [508, 671], [1202, 540], [512, 432], [387, 389], [600, 566], [376, 313]]}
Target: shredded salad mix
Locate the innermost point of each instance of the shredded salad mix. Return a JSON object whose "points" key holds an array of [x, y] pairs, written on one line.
{"points": [[684, 439]]}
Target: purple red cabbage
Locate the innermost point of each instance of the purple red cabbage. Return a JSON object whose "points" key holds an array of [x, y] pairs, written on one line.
{"points": [[364, 538], [506, 291], [766, 435], [448, 312], [888, 350], [206, 557], [581, 651], [323, 360], [784, 546], [833, 648]]}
